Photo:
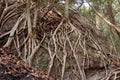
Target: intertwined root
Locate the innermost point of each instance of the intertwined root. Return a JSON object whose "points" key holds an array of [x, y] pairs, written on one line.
{"points": [[64, 47]]}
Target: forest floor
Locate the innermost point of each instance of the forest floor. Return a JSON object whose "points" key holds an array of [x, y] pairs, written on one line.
{"points": [[13, 67]]}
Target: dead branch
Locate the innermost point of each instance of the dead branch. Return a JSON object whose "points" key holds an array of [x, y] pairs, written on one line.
{"points": [[107, 21]]}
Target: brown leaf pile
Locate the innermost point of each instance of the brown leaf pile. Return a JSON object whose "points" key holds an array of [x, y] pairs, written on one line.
{"points": [[12, 68]]}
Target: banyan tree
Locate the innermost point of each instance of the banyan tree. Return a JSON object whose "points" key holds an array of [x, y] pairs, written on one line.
{"points": [[52, 36]]}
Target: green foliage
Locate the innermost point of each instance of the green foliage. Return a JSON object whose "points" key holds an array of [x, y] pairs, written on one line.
{"points": [[118, 17]]}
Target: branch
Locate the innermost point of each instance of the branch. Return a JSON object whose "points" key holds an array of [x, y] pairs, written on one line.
{"points": [[4, 34], [12, 32], [107, 21]]}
